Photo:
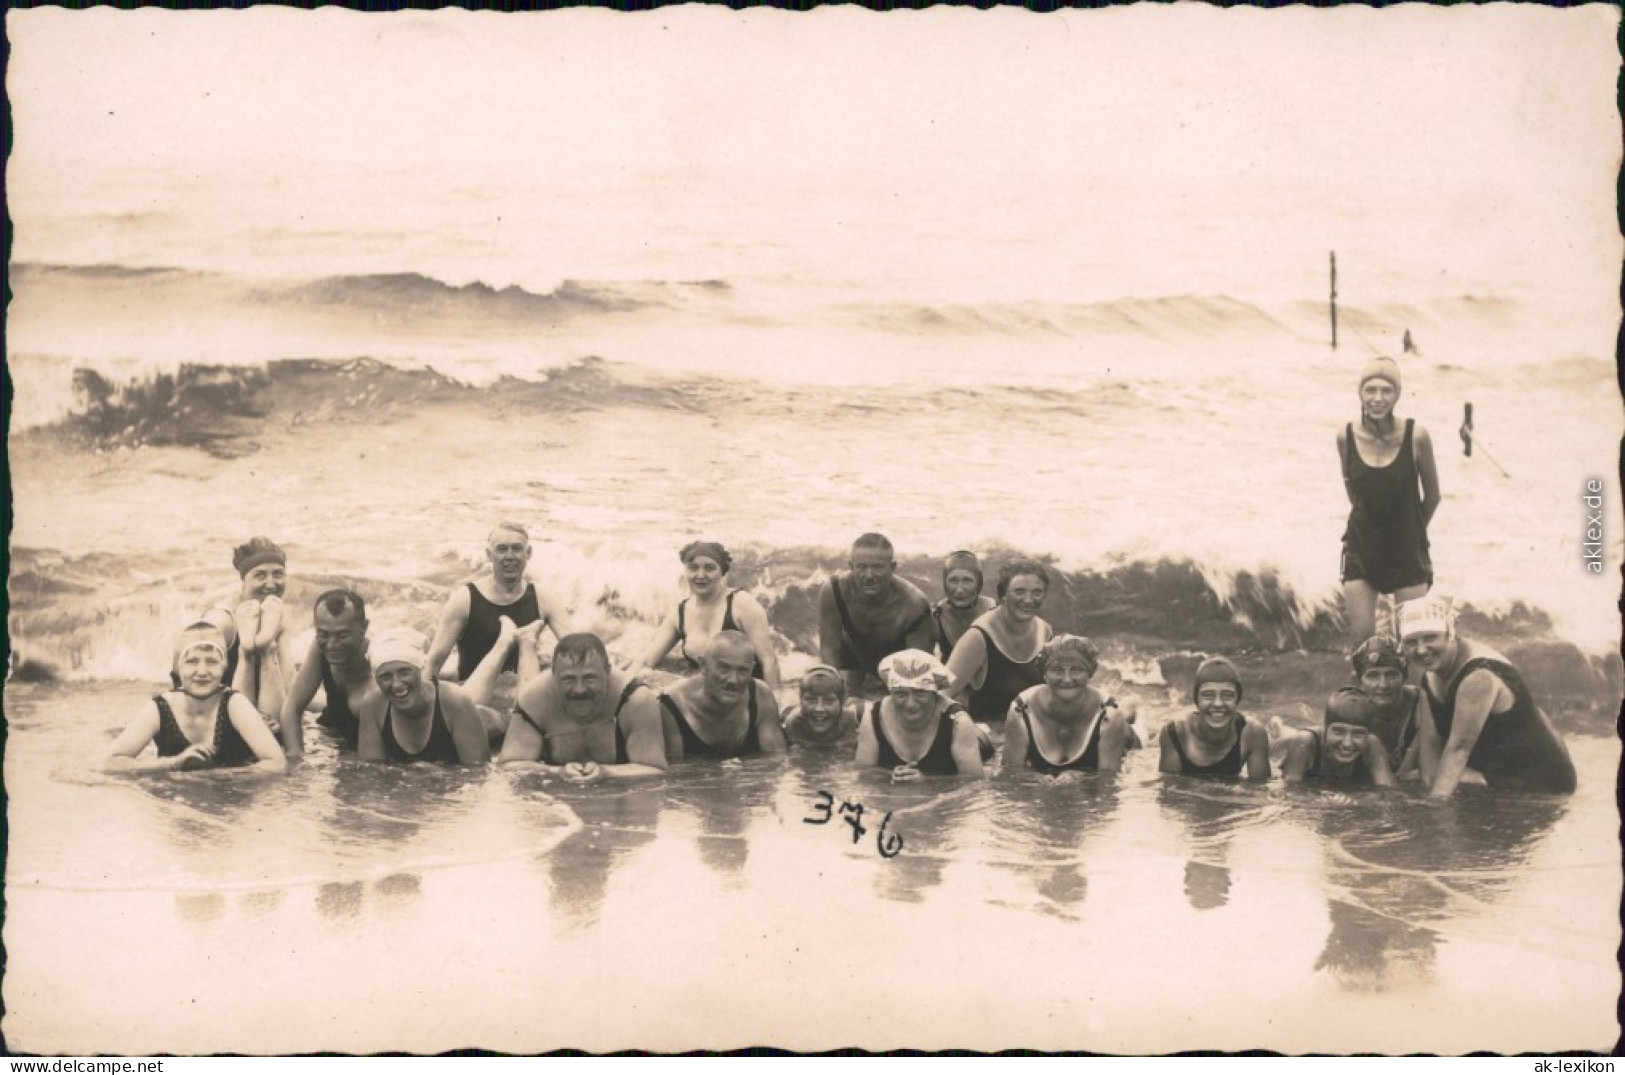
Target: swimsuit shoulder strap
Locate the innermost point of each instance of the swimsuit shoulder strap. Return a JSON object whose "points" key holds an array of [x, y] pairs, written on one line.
{"points": [[519, 711], [840, 608], [682, 619], [728, 623], [1350, 451]]}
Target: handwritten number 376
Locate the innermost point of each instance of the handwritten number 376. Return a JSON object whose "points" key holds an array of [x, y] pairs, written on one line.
{"points": [[889, 845]]}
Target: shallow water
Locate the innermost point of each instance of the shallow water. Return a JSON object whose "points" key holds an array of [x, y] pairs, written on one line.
{"points": [[420, 909]]}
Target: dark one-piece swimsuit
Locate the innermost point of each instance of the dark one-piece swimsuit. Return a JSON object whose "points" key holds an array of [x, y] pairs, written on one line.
{"points": [[1005, 679], [1385, 543], [548, 756], [1360, 773], [938, 760], [440, 749], [859, 654], [1087, 760], [230, 749], [1229, 765], [484, 626], [337, 716], [728, 624], [695, 747], [1518, 748]]}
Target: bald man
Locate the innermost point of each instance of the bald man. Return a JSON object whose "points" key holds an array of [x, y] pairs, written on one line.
{"points": [[722, 711]]}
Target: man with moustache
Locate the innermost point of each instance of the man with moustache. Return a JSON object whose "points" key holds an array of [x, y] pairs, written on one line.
{"points": [[722, 711], [584, 720], [412, 716], [337, 664], [472, 619], [1483, 719], [253, 628], [868, 613]]}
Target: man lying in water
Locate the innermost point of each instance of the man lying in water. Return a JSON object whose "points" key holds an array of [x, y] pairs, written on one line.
{"points": [[824, 715], [201, 724], [585, 721], [1216, 739], [1346, 750], [413, 717], [1483, 718], [722, 711], [337, 665]]}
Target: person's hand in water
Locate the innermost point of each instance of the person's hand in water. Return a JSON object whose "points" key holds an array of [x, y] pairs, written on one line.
{"points": [[906, 773], [196, 756], [583, 772]]}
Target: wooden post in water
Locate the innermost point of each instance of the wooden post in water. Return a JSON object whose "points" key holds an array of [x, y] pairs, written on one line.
{"points": [[1467, 431], [1334, 300]]}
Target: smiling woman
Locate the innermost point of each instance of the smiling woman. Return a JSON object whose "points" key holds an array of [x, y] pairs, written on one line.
{"points": [[997, 658], [411, 717]]}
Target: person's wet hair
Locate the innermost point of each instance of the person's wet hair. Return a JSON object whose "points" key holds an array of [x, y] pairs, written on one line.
{"points": [[713, 549], [1016, 568], [576, 648], [733, 640], [338, 602], [510, 527], [878, 542]]}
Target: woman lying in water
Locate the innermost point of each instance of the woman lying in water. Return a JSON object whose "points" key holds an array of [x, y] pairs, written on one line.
{"points": [[1064, 725], [412, 717], [1346, 750], [1215, 739], [915, 730], [201, 724]]}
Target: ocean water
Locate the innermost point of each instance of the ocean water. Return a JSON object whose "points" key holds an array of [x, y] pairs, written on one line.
{"points": [[373, 359]]}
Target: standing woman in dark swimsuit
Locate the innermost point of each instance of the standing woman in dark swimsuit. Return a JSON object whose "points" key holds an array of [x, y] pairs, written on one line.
{"points": [[1215, 739], [997, 658], [915, 730], [1064, 725], [412, 716], [1393, 491], [710, 609], [200, 724]]}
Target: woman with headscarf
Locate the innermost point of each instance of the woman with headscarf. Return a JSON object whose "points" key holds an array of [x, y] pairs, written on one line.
{"points": [[914, 729], [1393, 491], [710, 609], [1065, 725], [962, 601], [201, 724]]}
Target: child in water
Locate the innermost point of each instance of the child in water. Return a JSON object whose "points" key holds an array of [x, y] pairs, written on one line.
{"points": [[824, 715]]}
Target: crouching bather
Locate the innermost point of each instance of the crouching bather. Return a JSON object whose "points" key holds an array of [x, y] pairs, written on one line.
{"points": [[1215, 739], [915, 730], [1346, 749], [1063, 724], [585, 721], [1483, 718], [201, 724], [1398, 708], [411, 717]]}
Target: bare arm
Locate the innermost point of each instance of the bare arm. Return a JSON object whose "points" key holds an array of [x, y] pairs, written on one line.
{"points": [[829, 624], [1428, 746], [1376, 762], [467, 730], [923, 634], [1474, 700], [645, 740], [250, 724], [122, 755], [769, 732], [967, 664], [1169, 762], [1342, 464], [753, 621], [967, 749], [369, 745], [665, 638], [1255, 747], [300, 696], [453, 618], [1295, 766], [1114, 737], [1014, 758], [554, 614], [868, 752], [1428, 472], [223, 619]]}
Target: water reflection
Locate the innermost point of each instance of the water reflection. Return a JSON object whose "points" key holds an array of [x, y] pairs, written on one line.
{"points": [[1397, 868], [931, 816], [723, 797], [616, 820], [1042, 828], [1210, 812]]}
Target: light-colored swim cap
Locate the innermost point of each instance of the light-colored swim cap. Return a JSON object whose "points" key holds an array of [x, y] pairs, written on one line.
{"points": [[397, 645], [1432, 614], [1381, 368], [914, 669]]}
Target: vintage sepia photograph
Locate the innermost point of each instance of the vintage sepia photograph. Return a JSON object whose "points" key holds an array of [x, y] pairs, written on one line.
{"points": [[1095, 530]]}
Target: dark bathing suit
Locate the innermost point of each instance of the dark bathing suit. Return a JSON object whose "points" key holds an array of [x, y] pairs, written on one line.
{"points": [[945, 645], [1088, 758], [938, 760], [1229, 765], [484, 626], [861, 656], [621, 757], [1004, 680], [230, 749], [728, 624], [337, 716], [440, 748], [1385, 543], [1360, 773], [1518, 748], [695, 747]]}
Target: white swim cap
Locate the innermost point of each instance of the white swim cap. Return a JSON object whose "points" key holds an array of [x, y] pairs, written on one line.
{"points": [[1432, 614], [916, 670], [397, 645]]}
